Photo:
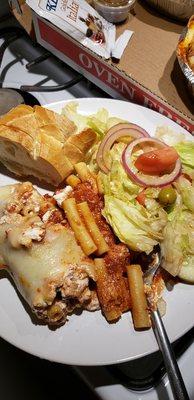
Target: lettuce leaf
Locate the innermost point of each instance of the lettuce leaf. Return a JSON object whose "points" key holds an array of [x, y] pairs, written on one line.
{"points": [[137, 226], [178, 245], [99, 122], [117, 182], [186, 153], [133, 224], [187, 270], [70, 111], [184, 147], [168, 136], [186, 189]]}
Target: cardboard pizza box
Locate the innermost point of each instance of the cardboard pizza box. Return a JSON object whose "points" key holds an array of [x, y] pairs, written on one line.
{"points": [[148, 72]]}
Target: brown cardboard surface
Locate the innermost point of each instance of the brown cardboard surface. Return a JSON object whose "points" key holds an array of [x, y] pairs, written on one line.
{"points": [[150, 57]]}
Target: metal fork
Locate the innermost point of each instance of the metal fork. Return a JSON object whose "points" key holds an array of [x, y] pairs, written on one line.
{"points": [[174, 375]]}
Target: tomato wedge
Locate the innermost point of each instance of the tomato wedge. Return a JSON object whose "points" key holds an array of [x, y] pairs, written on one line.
{"points": [[141, 197], [157, 161]]}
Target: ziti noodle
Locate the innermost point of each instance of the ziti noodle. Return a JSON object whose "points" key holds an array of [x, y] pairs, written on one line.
{"points": [[119, 285]]}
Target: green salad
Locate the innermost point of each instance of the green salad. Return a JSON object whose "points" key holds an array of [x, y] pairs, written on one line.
{"points": [[142, 214]]}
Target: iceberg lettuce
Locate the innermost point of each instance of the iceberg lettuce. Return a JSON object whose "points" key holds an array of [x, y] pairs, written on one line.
{"points": [[184, 147], [133, 224], [137, 226], [99, 122], [117, 182], [178, 245], [186, 190]]}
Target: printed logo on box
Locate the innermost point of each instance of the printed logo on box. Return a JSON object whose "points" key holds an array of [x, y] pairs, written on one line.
{"points": [[51, 5]]}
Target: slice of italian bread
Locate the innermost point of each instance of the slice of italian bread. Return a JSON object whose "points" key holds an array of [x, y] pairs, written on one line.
{"points": [[38, 142]]}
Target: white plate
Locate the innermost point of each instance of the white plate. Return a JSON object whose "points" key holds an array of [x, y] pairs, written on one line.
{"points": [[88, 339]]}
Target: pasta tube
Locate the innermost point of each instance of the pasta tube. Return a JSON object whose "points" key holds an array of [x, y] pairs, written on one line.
{"points": [[81, 233], [92, 227], [140, 312]]}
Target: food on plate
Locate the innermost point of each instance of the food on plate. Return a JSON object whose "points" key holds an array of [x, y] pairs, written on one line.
{"points": [[89, 244], [124, 131], [39, 250], [157, 161], [75, 220], [147, 184], [49, 265], [186, 45], [92, 227], [72, 180], [157, 165], [139, 307], [41, 143], [112, 286], [111, 282]]}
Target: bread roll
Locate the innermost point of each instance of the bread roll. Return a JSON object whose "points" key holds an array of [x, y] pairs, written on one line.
{"points": [[39, 142]]}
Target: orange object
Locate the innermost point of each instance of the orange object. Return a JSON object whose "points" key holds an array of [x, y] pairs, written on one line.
{"points": [[141, 198], [157, 161]]}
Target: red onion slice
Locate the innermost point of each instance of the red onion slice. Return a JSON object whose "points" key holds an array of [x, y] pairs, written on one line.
{"points": [[113, 134], [143, 179], [127, 125]]}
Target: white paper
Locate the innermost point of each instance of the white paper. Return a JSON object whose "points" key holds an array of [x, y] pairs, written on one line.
{"points": [[79, 20], [121, 44]]}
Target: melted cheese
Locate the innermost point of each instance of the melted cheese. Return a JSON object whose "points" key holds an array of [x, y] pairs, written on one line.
{"points": [[62, 195], [43, 258]]}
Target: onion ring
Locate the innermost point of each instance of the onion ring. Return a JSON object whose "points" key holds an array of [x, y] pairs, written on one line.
{"points": [[113, 134], [143, 179]]}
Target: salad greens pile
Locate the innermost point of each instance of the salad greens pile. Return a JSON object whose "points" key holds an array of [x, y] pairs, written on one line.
{"points": [[178, 243], [99, 122], [142, 226], [138, 226], [185, 148]]}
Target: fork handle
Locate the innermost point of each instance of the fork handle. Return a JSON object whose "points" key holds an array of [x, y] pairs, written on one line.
{"points": [[172, 368]]}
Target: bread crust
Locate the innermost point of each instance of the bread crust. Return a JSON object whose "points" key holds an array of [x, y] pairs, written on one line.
{"points": [[46, 117], [39, 142], [46, 161], [83, 140]]}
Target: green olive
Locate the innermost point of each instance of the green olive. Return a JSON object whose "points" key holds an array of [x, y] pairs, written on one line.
{"points": [[167, 195]]}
